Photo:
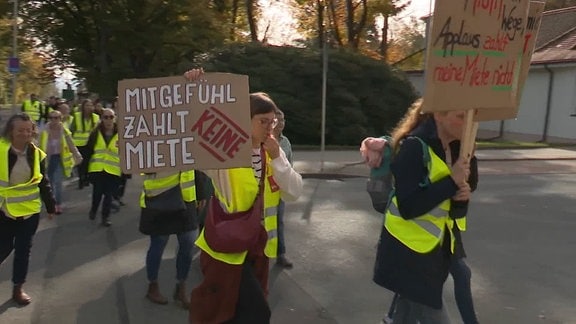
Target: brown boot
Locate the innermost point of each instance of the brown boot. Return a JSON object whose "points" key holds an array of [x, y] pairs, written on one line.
{"points": [[181, 296], [154, 294], [19, 296]]}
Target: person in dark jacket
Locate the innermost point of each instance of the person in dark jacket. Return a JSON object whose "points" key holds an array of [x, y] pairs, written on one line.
{"points": [[104, 165], [417, 241], [23, 188]]}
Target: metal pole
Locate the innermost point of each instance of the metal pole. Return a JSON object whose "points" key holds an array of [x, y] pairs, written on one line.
{"points": [[324, 81], [14, 52]]}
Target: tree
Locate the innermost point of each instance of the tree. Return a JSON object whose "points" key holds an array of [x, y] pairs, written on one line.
{"points": [[106, 41], [365, 97], [388, 9], [33, 75]]}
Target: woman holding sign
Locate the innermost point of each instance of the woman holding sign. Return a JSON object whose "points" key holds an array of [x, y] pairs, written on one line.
{"points": [[235, 284], [417, 243]]}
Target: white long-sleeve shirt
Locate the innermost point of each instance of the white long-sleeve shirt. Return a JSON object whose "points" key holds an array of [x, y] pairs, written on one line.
{"points": [[288, 180]]}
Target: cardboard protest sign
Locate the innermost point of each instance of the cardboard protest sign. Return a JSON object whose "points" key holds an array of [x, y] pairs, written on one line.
{"points": [[473, 54], [535, 12], [172, 124]]}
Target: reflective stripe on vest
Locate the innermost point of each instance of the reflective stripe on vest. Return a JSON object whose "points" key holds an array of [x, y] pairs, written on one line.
{"points": [[154, 186], [105, 157], [22, 199], [188, 185], [423, 233], [33, 109], [244, 189], [83, 128], [65, 154]]}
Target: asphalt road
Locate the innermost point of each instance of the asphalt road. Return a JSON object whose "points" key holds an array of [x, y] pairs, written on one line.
{"points": [[520, 245]]}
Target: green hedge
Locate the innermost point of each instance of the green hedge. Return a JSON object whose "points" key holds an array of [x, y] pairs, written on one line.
{"points": [[365, 97]]}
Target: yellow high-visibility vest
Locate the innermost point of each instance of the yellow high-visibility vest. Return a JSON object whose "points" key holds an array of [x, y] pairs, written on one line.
{"points": [[83, 128], [65, 154], [33, 109], [244, 190], [423, 233], [105, 157], [22, 199], [153, 185]]}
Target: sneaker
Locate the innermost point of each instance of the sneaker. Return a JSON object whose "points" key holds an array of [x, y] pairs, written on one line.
{"points": [[283, 262], [58, 209], [92, 215], [106, 222]]}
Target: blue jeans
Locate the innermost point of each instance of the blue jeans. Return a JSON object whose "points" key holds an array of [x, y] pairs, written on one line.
{"points": [[463, 294], [17, 235], [280, 217], [183, 256], [56, 175]]}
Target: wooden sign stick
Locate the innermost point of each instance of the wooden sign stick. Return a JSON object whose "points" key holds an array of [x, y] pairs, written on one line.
{"points": [[469, 135]]}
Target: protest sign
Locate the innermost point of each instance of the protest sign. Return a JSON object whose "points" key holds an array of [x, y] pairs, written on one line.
{"points": [[531, 32], [172, 124], [473, 56]]}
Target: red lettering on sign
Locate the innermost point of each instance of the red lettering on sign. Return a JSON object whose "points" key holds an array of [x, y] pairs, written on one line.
{"points": [[219, 135]]}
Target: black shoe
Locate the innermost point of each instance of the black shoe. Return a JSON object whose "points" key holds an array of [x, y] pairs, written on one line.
{"points": [[92, 215], [106, 222], [283, 262]]}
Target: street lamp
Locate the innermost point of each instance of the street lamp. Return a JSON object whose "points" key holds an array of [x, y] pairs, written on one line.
{"points": [[14, 50]]}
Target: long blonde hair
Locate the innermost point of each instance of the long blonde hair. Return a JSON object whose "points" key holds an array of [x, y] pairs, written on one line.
{"points": [[413, 117]]}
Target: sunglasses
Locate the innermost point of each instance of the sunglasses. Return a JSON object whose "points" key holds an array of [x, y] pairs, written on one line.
{"points": [[107, 117]]}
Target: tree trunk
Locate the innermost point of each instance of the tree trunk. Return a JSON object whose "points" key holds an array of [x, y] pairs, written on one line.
{"points": [[233, 21], [333, 21], [384, 42], [251, 20], [320, 7]]}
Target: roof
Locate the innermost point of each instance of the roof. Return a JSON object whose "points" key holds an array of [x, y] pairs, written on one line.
{"points": [[556, 41]]}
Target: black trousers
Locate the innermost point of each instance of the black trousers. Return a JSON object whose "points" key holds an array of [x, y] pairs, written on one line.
{"points": [[252, 307], [17, 235], [83, 167], [103, 184]]}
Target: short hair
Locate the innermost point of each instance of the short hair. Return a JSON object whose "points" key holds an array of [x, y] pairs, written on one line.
{"points": [[9, 128], [261, 103]]}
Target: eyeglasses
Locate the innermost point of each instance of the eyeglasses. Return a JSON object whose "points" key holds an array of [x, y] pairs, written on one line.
{"points": [[54, 117], [107, 117], [268, 122]]}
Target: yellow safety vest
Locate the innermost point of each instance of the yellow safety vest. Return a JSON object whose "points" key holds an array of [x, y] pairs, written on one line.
{"points": [[423, 233], [244, 189], [83, 128], [33, 109], [22, 199], [67, 122], [105, 157], [153, 186], [65, 154]]}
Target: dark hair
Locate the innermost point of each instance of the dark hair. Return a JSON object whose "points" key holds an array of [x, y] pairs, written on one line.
{"points": [[10, 124], [261, 103]]}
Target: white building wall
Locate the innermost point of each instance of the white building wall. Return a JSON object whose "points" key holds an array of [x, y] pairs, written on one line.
{"points": [[532, 113], [563, 104]]}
